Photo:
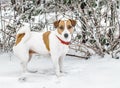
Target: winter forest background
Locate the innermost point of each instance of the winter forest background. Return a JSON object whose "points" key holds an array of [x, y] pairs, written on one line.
{"points": [[97, 30]]}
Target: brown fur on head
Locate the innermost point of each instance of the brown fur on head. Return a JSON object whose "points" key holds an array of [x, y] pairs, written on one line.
{"points": [[56, 23], [60, 25], [73, 22]]}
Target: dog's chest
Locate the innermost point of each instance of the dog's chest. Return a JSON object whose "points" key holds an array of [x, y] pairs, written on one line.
{"points": [[62, 49], [56, 45]]}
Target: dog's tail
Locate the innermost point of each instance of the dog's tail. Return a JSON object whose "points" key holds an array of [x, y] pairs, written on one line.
{"points": [[23, 34]]}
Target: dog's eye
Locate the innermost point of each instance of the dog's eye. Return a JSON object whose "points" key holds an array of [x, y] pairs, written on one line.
{"points": [[69, 26], [61, 27]]}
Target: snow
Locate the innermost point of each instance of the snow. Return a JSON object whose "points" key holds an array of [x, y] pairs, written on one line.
{"points": [[95, 72]]}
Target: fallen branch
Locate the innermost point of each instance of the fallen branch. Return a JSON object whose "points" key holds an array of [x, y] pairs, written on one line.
{"points": [[78, 56]]}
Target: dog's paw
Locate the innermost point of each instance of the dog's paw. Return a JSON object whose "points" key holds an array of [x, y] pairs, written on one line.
{"points": [[60, 75], [22, 79], [61, 71]]}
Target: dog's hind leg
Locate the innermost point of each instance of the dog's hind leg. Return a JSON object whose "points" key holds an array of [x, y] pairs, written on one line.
{"points": [[24, 57], [24, 68], [31, 71]]}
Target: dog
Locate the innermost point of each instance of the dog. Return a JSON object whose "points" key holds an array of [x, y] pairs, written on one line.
{"points": [[56, 43]]}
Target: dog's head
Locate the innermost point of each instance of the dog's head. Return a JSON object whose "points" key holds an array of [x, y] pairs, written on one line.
{"points": [[65, 28]]}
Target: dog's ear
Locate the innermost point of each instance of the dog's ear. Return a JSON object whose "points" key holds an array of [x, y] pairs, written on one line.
{"points": [[73, 22], [56, 23]]}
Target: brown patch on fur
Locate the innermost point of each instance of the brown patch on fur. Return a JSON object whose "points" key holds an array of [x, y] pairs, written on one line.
{"points": [[69, 26], [56, 23], [61, 27], [30, 54], [73, 22], [19, 38], [46, 39], [59, 31]]}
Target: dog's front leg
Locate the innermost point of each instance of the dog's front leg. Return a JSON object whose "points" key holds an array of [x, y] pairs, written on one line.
{"points": [[61, 63], [55, 60]]}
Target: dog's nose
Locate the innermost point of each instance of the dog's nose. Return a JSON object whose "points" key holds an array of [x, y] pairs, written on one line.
{"points": [[66, 35]]}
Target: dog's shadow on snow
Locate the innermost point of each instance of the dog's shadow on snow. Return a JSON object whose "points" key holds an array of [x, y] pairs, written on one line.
{"points": [[47, 72], [44, 75]]}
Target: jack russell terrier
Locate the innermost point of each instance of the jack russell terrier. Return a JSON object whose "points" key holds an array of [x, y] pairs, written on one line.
{"points": [[56, 43]]}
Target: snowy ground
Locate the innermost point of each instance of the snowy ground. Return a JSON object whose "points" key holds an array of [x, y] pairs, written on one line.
{"points": [[79, 73]]}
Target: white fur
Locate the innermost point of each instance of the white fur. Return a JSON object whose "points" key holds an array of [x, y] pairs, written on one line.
{"points": [[34, 41]]}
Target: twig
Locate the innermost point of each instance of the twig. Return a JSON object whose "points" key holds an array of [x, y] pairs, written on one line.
{"points": [[7, 33], [77, 56]]}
